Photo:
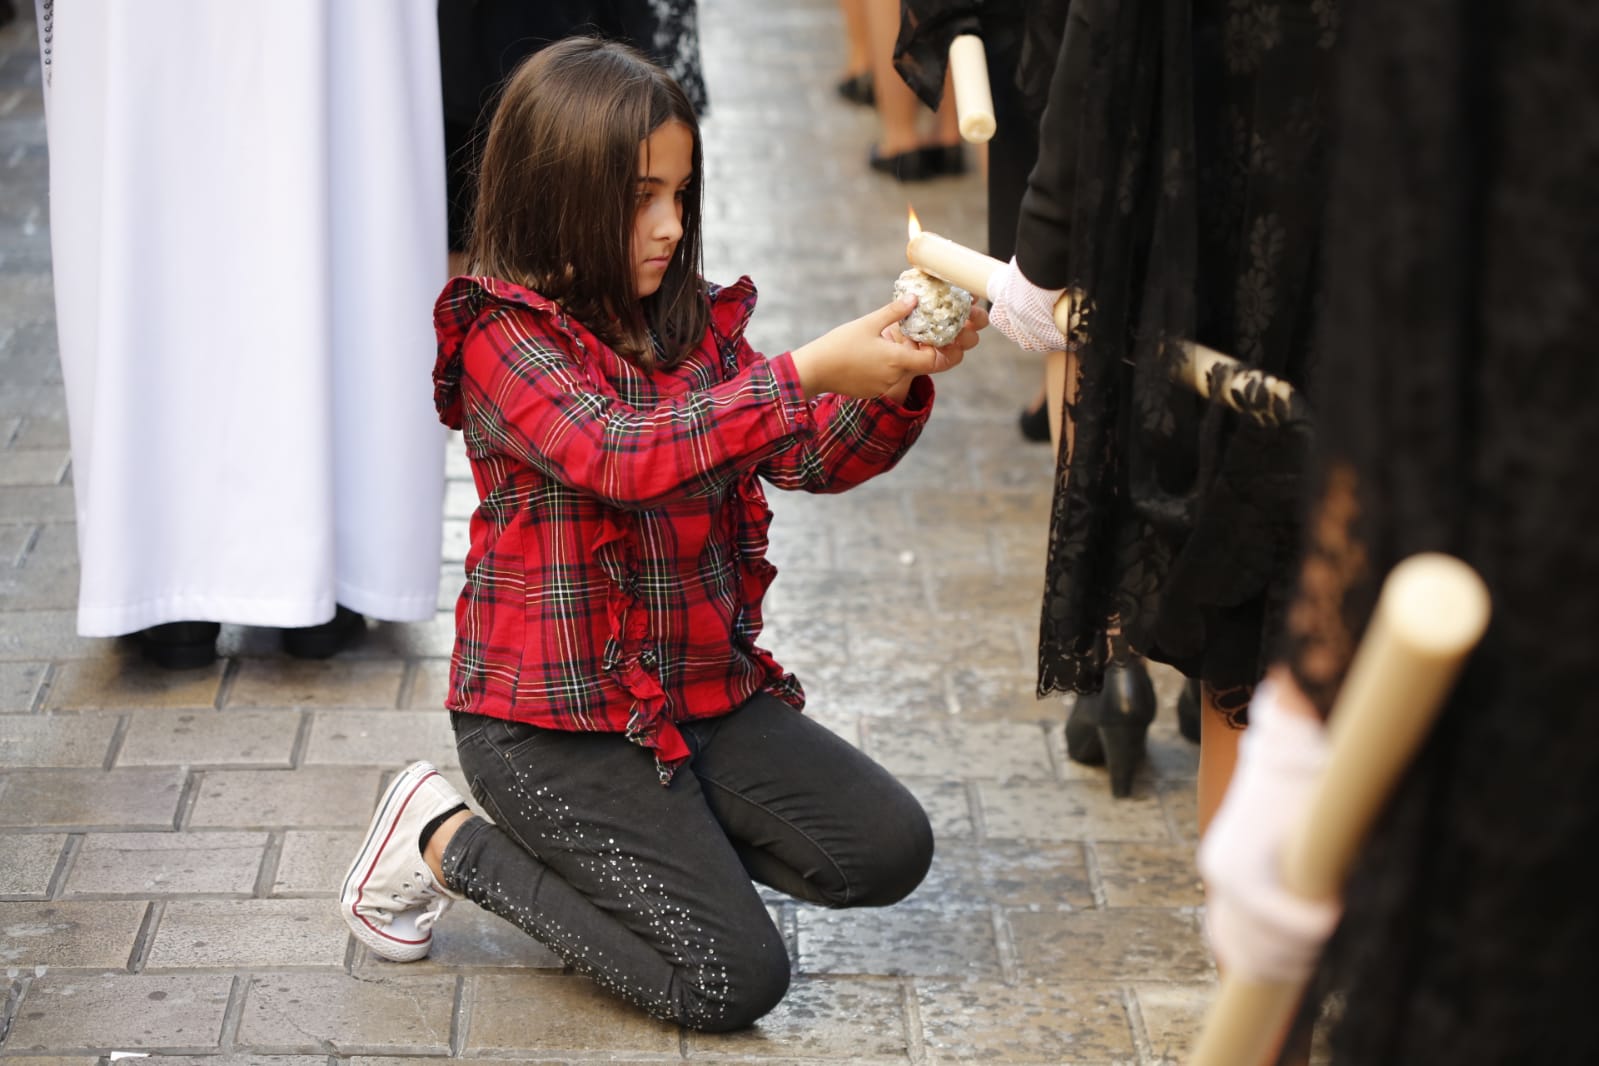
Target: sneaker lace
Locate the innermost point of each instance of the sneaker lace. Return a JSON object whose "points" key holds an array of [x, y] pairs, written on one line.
{"points": [[419, 892]]}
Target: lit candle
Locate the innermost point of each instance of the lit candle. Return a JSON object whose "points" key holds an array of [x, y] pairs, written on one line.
{"points": [[953, 262]]}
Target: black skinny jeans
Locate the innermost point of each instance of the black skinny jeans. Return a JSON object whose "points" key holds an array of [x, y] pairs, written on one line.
{"points": [[648, 889]]}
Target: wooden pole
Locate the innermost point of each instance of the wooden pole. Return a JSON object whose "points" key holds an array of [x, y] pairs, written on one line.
{"points": [[1432, 612]]}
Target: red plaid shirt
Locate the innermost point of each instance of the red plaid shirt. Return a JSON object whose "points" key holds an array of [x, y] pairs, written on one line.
{"points": [[618, 554]]}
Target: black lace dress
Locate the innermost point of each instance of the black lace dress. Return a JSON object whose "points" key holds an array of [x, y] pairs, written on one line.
{"points": [[1180, 187], [1459, 411]]}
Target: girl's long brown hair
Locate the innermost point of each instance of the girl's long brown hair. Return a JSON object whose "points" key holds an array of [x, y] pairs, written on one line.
{"points": [[557, 195]]}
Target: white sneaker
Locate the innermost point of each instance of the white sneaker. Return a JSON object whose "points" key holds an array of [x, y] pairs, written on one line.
{"points": [[390, 897]]}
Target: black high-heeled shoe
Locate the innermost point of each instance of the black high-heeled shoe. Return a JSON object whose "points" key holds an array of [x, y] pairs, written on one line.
{"points": [[1188, 711], [1111, 726]]}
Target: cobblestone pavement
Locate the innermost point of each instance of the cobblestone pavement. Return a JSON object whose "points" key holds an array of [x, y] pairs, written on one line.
{"points": [[171, 843]]}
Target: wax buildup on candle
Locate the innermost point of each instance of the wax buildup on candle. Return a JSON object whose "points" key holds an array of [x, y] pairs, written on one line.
{"points": [[941, 308]]}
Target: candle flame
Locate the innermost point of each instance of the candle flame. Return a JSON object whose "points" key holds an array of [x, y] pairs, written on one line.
{"points": [[913, 225]]}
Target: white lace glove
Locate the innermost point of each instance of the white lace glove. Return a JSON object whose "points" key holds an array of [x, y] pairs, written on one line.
{"points": [[1255, 926], [1024, 312]]}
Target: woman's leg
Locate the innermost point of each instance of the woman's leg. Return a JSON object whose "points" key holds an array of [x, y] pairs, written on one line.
{"points": [[857, 38], [809, 814], [633, 883], [1221, 726], [897, 107]]}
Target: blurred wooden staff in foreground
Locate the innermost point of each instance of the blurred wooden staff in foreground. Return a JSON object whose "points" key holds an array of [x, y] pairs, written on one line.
{"points": [[1432, 611]]}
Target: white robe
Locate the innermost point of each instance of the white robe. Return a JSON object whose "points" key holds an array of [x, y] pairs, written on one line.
{"points": [[248, 232]]}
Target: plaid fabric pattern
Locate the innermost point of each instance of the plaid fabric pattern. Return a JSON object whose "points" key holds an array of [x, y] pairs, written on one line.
{"points": [[618, 553]]}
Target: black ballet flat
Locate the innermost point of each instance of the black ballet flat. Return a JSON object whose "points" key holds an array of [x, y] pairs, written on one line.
{"points": [[1111, 726], [944, 160], [857, 89], [911, 165], [325, 640], [180, 645], [1034, 424], [1188, 711]]}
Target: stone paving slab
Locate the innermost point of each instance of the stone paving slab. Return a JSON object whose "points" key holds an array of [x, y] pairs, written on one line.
{"points": [[106, 1012], [27, 863], [1172, 1016], [429, 682], [19, 686], [311, 683], [1148, 875], [1109, 945], [79, 741], [79, 935], [380, 738], [1007, 873], [201, 738], [39, 636], [91, 799], [905, 940], [824, 1019], [948, 805], [229, 1060], [314, 861], [323, 797], [1070, 810], [472, 941], [335, 1013], [116, 682], [255, 934], [556, 1014], [946, 747], [146, 865], [1031, 1023]]}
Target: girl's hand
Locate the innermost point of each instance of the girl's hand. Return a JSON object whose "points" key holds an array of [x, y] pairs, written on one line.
{"points": [[948, 356], [860, 359]]}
